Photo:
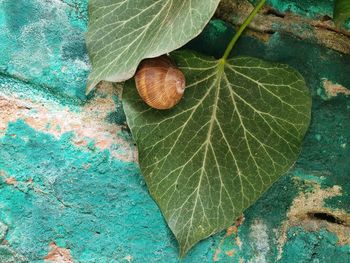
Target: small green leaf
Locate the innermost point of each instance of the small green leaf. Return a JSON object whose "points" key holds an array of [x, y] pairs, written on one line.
{"points": [[341, 11], [238, 128], [123, 32]]}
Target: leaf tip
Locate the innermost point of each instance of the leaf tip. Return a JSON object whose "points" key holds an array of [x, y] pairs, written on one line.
{"points": [[90, 86], [182, 252], [184, 248], [88, 90]]}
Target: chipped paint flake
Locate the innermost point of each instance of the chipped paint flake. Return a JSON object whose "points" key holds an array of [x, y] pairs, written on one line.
{"points": [[128, 258], [230, 253], [58, 255], [232, 230], [216, 257], [334, 89]]}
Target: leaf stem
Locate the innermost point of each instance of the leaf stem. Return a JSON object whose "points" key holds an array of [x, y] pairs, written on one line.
{"points": [[241, 29]]}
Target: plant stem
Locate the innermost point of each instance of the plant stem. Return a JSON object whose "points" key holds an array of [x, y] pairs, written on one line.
{"points": [[241, 29]]}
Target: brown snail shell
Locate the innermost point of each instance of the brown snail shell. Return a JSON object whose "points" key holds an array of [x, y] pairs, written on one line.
{"points": [[160, 83]]}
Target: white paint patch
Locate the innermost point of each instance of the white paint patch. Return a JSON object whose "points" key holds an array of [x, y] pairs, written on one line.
{"points": [[259, 241], [128, 258]]}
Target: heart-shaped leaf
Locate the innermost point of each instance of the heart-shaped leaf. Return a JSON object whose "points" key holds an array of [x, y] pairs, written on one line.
{"points": [[238, 128], [123, 32], [341, 11]]}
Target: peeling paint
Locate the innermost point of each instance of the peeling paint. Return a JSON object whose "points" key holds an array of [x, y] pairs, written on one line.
{"points": [[58, 255], [231, 231], [334, 89], [309, 203], [230, 253], [87, 123], [260, 242], [128, 258]]}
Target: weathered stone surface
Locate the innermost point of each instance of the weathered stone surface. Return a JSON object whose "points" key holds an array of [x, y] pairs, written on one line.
{"points": [[70, 187]]}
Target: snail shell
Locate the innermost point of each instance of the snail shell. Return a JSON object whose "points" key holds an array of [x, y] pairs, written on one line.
{"points": [[160, 83]]}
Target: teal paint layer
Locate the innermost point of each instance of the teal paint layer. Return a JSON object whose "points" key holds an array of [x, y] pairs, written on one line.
{"points": [[88, 202], [118, 116], [310, 8], [313, 247], [43, 43], [307, 8]]}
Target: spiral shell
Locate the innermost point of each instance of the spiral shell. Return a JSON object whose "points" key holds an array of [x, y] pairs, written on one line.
{"points": [[160, 83]]}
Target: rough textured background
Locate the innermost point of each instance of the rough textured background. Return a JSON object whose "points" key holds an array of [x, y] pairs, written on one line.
{"points": [[70, 187]]}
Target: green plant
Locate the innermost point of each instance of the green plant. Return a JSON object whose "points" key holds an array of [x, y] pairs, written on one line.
{"points": [[238, 128], [341, 11]]}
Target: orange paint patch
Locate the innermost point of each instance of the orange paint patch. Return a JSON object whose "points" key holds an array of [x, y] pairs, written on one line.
{"points": [[8, 179], [86, 166], [238, 242], [333, 89], [216, 255], [232, 230], [58, 255], [11, 180], [230, 253]]}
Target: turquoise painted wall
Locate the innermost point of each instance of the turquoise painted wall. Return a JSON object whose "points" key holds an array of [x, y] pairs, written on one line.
{"points": [[70, 186]]}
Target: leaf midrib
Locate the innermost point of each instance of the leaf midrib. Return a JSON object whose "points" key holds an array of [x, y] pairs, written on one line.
{"points": [[163, 160], [216, 84]]}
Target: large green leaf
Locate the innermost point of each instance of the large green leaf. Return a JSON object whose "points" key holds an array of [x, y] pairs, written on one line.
{"points": [[123, 32], [341, 11], [238, 128]]}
